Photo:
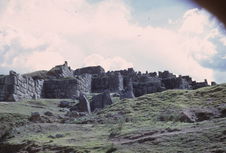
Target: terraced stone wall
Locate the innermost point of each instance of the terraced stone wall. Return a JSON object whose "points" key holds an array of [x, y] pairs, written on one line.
{"points": [[67, 87], [112, 81]]}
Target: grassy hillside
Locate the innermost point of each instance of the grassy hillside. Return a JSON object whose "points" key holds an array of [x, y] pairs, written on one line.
{"points": [[173, 121]]}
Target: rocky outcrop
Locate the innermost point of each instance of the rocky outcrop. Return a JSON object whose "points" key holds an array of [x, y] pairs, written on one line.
{"points": [[198, 114], [83, 105], [100, 101]]}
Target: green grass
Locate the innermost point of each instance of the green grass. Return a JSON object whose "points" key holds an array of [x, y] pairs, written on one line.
{"points": [[27, 106], [125, 118]]}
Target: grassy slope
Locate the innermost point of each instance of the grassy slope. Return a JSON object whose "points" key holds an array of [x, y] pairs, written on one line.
{"points": [[128, 126]]}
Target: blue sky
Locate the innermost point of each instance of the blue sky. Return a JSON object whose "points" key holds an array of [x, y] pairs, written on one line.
{"points": [[153, 35], [156, 12]]}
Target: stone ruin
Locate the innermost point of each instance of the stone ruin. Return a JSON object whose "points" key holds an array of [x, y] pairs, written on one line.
{"points": [[63, 82], [14, 87]]}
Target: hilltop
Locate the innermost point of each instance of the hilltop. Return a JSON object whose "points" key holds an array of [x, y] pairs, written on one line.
{"points": [[63, 82], [171, 121]]}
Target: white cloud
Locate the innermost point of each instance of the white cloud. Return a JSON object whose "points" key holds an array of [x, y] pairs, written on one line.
{"points": [[110, 63], [100, 34], [223, 40], [194, 21]]}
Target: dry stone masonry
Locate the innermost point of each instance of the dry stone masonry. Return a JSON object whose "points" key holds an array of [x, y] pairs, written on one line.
{"points": [[67, 87], [14, 87], [63, 82], [112, 81]]}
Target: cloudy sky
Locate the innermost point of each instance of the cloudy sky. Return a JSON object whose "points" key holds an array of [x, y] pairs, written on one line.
{"points": [[153, 35]]}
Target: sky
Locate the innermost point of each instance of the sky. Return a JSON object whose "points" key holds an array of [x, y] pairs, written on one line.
{"points": [[152, 35]]}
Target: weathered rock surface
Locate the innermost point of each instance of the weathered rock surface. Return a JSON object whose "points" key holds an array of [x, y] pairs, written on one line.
{"points": [[90, 70], [83, 105], [64, 104], [47, 117], [15, 87], [109, 81], [61, 71], [198, 114], [48, 113], [196, 85], [100, 101], [38, 75], [128, 92], [74, 114], [176, 83], [67, 88], [35, 117], [146, 84]]}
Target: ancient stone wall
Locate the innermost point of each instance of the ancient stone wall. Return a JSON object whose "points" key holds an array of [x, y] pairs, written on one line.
{"points": [[15, 87], [85, 81], [61, 71], [90, 70], [62, 82], [196, 85], [176, 83], [6, 87], [112, 81], [166, 74], [146, 84], [67, 88]]}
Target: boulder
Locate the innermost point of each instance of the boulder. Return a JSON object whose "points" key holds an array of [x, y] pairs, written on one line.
{"points": [[48, 113], [205, 114], [126, 94], [64, 104], [83, 105], [74, 114], [56, 136], [35, 117], [100, 101], [222, 110], [198, 114], [187, 116]]}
